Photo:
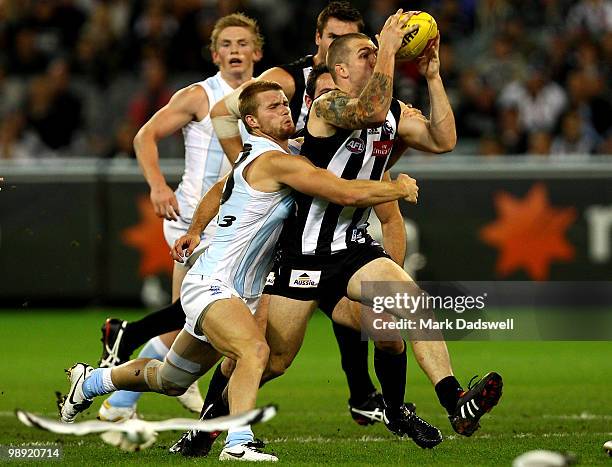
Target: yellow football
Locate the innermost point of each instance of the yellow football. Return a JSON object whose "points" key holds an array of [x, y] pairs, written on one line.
{"points": [[415, 42]]}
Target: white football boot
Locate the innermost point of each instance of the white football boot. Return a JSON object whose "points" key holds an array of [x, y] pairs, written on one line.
{"points": [[110, 413], [74, 402], [246, 452], [192, 399]]}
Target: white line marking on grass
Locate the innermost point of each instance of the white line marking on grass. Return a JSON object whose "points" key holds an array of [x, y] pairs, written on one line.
{"points": [[580, 416], [376, 439]]}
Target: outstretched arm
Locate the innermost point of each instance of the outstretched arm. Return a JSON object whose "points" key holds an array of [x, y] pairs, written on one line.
{"points": [[187, 104], [436, 134], [301, 175]]}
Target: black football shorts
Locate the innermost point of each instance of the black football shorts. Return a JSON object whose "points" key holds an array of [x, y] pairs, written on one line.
{"points": [[320, 278]]}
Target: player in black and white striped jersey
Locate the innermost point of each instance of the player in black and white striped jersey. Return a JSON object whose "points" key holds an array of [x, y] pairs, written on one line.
{"points": [[327, 253]]}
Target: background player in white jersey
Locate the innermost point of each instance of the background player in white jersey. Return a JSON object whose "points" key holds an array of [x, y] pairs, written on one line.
{"points": [[350, 131], [236, 45], [256, 199]]}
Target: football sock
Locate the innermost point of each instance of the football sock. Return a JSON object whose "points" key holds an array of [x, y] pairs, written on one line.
{"points": [[221, 407], [354, 359], [156, 349], [169, 318], [99, 382], [217, 384], [449, 390], [239, 435], [391, 372]]}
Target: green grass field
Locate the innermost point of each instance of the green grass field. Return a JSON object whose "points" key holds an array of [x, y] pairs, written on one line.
{"points": [[557, 395]]}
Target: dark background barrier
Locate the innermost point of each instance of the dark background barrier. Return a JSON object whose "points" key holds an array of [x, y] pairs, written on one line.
{"points": [[83, 232]]}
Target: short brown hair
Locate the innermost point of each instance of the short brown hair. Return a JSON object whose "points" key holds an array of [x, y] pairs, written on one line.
{"points": [[247, 101], [342, 11], [339, 49], [239, 20]]}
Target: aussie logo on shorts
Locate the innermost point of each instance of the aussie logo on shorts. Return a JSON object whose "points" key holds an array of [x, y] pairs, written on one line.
{"points": [[215, 290], [304, 279]]}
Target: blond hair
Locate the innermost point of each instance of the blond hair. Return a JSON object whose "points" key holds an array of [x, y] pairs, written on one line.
{"points": [[239, 20]]}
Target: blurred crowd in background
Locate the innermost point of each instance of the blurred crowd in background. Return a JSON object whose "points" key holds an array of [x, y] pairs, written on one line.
{"points": [[79, 77]]}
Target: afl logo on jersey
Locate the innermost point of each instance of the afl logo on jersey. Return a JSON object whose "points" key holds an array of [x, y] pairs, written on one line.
{"points": [[355, 145]]}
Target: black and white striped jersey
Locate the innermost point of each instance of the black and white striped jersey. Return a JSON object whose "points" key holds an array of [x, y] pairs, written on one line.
{"points": [[319, 227], [299, 71]]}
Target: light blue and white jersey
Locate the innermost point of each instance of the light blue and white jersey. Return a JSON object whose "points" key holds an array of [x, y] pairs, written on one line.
{"points": [[205, 161], [250, 222]]}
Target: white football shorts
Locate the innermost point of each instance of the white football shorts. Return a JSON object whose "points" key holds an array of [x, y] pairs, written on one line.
{"points": [[199, 292], [173, 230]]}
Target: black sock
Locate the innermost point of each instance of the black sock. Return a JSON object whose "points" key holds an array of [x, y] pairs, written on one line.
{"points": [[448, 390], [391, 372], [354, 358], [216, 386], [220, 408], [169, 318]]}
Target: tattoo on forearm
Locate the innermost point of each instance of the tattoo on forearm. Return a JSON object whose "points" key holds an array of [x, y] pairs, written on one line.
{"points": [[343, 111]]}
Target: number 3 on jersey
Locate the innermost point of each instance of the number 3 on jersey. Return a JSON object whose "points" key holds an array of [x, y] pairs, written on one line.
{"points": [[227, 221]]}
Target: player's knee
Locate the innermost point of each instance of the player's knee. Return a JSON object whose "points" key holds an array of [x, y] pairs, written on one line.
{"points": [[258, 352], [166, 379], [390, 347]]}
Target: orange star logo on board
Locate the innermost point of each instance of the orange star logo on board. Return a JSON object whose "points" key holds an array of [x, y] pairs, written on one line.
{"points": [[529, 233], [148, 237]]}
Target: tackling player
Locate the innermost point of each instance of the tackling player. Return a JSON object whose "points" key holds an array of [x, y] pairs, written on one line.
{"points": [[236, 45]]}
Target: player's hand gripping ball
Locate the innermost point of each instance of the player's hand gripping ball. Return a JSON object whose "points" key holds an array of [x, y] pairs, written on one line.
{"points": [[416, 41]]}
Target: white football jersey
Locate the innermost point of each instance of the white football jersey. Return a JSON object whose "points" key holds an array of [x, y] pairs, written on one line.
{"points": [[249, 224], [205, 161]]}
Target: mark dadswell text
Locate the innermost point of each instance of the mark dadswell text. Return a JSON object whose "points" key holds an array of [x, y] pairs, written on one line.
{"points": [[447, 324]]}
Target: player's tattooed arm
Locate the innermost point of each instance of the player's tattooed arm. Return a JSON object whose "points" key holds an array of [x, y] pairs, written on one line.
{"points": [[369, 109]]}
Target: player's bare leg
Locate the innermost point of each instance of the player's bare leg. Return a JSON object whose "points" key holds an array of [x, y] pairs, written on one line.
{"points": [[231, 328], [122, 404], [465, 408], [186, 361], [287, 322], [389, 364], [195, 443], [200, 355]]}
